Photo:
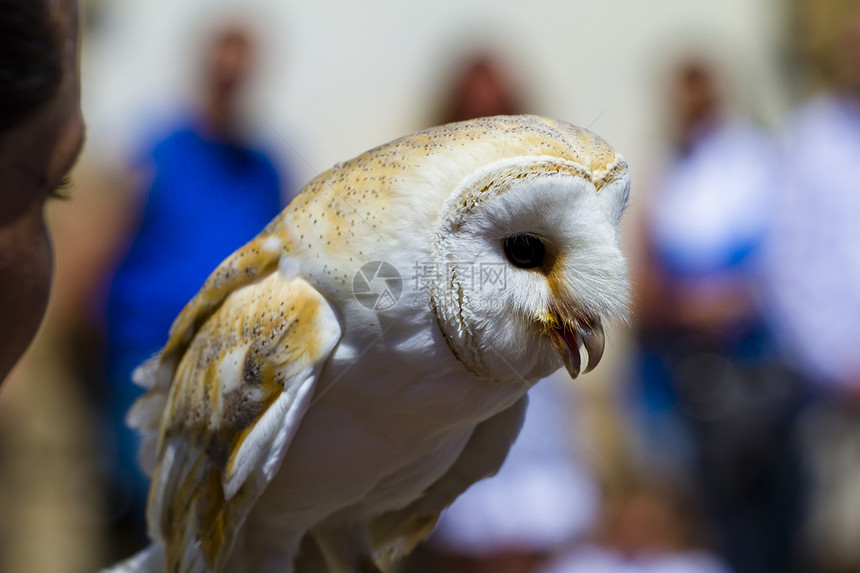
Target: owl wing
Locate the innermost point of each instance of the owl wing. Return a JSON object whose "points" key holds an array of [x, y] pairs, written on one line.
{"points": [[258, 258], [396, 533], [238, 394]]}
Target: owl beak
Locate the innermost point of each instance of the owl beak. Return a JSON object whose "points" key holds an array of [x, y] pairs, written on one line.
{"points": [[568, 338]]}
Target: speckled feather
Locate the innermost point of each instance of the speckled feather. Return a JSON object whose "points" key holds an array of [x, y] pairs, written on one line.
{"points": [[364, 198], [260, 346], [248, 354]]}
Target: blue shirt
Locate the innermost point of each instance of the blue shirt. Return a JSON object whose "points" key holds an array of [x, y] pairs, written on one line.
{"points": [[207, 198]]}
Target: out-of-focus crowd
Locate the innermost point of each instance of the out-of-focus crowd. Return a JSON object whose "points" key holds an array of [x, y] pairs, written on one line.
{"points": [[728, 442]]}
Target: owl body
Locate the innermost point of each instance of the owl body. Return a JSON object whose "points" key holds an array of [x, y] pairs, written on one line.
{"points": [[368, 466], [342, 378]]}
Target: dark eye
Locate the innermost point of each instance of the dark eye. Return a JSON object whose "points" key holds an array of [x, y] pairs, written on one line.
{"points": [[524, 251]]}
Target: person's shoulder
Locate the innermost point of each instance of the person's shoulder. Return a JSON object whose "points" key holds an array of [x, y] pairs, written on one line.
{"points": [[822, 112], [739, 142], [176, 135], [821, 105], [167, 133], [164, 143], [260, 154], [263, 160], [737, 131]]}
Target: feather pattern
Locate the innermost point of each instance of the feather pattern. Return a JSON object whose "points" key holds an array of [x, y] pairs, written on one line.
{"points": [[286, 414], [235, 403]]}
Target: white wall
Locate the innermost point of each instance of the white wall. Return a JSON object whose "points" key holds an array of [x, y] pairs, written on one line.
{"points": [[343, 77]]}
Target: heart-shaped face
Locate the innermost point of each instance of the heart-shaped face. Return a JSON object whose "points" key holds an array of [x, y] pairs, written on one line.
{"points": [[545, 230]]}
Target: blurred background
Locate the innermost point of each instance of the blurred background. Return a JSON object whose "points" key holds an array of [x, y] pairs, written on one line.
{"points": [[721, 432]]}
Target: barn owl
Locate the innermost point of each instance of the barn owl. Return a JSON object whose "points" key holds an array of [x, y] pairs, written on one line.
{"points": [[342, 378]]}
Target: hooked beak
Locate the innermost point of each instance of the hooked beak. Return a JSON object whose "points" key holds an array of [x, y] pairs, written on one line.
{"points": [[568, 337]]}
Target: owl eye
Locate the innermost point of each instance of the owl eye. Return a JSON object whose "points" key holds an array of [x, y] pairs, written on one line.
{"points": [[524, 251]]}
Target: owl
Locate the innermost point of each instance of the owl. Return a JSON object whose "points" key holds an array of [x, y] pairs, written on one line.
{"points": [[342, 378]]}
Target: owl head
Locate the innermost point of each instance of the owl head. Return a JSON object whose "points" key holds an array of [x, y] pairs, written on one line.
{"points": [[530, 244]]}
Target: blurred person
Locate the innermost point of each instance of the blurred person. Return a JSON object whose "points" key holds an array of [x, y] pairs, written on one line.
{"points": [[482, 88], [708, 213], [210, 190], [813, 278], [650, 527], [716, 402], [41, 134]]}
